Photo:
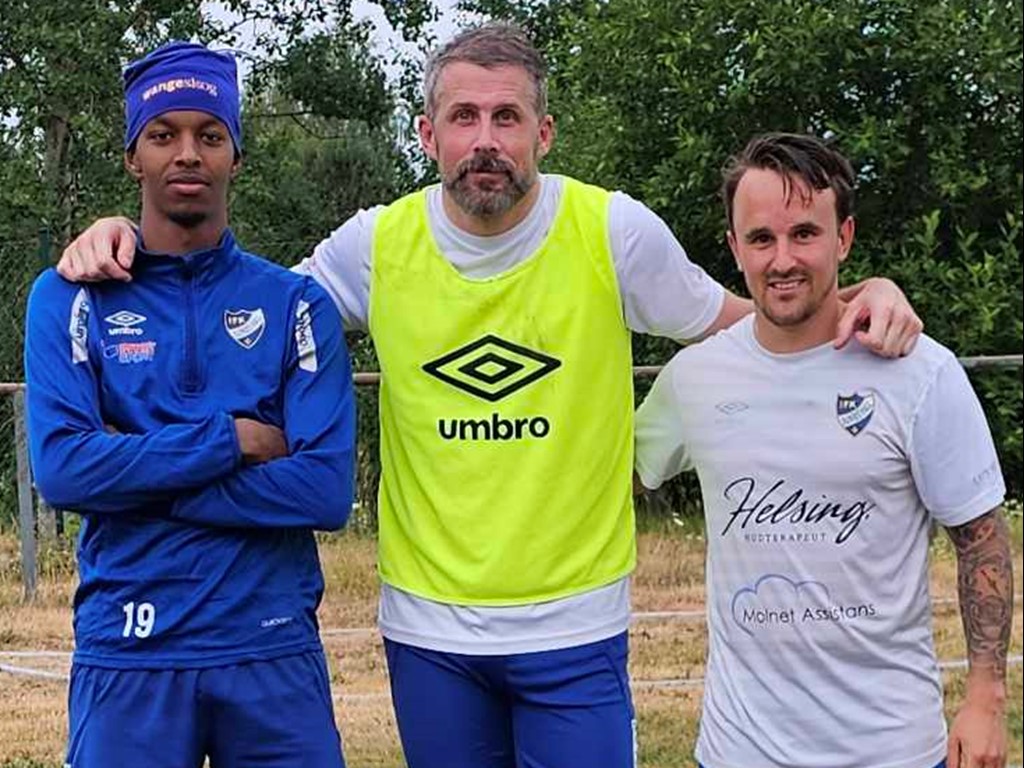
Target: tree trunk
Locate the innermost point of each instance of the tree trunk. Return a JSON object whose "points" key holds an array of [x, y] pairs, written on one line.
{"points": [[58, 174]]}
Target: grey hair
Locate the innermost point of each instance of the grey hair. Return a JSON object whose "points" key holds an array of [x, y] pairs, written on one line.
{"points": [[496, 44]]}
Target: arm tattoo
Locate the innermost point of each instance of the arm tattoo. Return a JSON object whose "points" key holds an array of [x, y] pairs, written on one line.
{"points": [[985, 581]]}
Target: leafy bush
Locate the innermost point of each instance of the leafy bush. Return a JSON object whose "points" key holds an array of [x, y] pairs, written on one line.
{"points": [[652, 96]]}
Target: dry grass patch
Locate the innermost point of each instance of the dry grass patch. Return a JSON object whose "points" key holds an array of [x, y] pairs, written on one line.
{"points": [[350, 572], [670, 577], [667, 727]]}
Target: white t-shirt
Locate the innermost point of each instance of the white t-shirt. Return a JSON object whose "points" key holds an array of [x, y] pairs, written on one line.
{"points": [[663, 293], [818, 471]]}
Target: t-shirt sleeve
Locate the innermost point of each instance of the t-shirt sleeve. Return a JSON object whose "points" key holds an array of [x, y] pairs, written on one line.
{"points": [[661, 449], [952, 456], [663, 292], [341, 264]]}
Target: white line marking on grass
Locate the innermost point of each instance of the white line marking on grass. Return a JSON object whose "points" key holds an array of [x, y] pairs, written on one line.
{"points": [[348, 631], [637, 615], [651, 615], [674, 682], [696, 682], [962, 663], [29, 672], [359, 698], [37, 654], [353, 698]]}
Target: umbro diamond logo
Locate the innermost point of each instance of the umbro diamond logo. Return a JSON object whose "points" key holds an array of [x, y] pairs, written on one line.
{"points": [[491, 368], [125, 319], [123, 323]]}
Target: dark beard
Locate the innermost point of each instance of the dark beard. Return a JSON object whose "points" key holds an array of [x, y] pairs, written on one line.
{"points": [[492, 202]]}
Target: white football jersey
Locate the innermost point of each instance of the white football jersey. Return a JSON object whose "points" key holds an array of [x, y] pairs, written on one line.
{"points": [[820, 472]]}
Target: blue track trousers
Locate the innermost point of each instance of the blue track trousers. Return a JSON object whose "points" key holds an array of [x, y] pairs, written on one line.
{"points": [[566, 708]]}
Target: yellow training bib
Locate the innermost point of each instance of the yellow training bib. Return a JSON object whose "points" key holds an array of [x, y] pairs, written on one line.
{"points": [[506, 412]]}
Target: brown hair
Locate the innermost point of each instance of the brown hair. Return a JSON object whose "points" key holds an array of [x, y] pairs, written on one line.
{"points": [[793, 156]]}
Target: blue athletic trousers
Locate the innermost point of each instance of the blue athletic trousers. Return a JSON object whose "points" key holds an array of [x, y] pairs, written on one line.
{"points": [[270, 714], [567, 708]]}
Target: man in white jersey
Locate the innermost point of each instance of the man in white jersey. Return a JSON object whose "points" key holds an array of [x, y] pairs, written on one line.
{"points": [[821, 470], [500, 303]]}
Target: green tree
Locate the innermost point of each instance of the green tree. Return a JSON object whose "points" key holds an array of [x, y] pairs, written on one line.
{"points": [[61, 114], [320, 135], [651, 96], [60, 90], [323, 142]]}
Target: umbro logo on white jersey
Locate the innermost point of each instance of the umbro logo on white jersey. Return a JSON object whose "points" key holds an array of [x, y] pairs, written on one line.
{"points": [[729, 408]]}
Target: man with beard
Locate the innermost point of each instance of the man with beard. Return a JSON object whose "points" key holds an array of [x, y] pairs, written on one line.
{"points": [[501, 303], [820, 649], [202, 421]]}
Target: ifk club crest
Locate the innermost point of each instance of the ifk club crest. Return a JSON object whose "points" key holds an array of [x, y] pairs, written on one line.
{"points": [[245, 326], [854, 411]]}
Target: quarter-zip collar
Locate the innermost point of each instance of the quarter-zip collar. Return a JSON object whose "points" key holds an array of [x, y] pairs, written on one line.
{"points": [[205, 263], [194, 272]]}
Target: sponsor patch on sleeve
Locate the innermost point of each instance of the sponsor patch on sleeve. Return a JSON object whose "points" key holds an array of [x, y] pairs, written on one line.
{"points": [[304, 338], [78, 327]]}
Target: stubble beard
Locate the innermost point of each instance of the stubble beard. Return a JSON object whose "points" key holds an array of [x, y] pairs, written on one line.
{"points": [[803, 309], [788, 319], [792, 313]]}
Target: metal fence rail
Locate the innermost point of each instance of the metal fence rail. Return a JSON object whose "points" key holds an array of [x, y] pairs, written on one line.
{"points": [[36, 521]]}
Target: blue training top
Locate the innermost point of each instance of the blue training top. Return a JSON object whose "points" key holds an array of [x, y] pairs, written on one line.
{"points": [[187, 557]]}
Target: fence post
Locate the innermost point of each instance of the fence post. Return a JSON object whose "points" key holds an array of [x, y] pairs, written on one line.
{"points": [[46, 524], [26, 510]]}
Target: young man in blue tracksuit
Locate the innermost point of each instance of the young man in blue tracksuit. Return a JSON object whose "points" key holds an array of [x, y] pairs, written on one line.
{"points": [[201, 419]]}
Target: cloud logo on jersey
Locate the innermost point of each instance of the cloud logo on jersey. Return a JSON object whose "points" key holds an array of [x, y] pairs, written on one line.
{"points": [[124, 323], [245, 326], [776, 601], [854, 411], [491, 368]]}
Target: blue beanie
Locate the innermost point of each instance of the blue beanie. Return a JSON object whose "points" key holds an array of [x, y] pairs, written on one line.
{"points": [[181, 76]]}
